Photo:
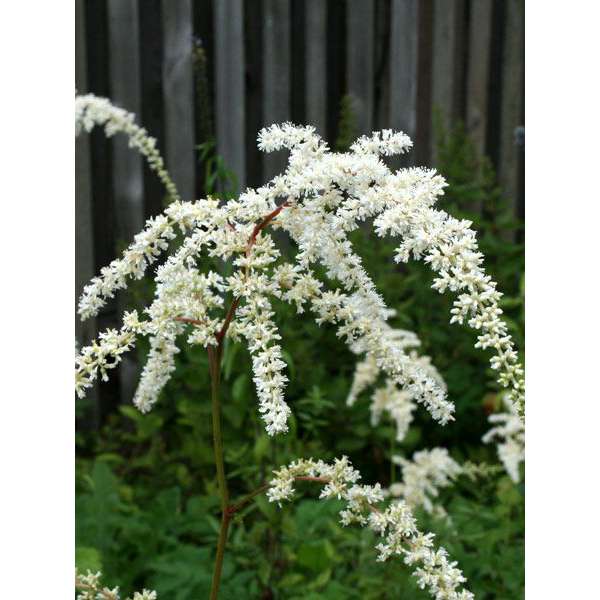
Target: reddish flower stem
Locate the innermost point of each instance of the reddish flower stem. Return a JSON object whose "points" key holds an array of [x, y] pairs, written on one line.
{"points": [[214, 355], [259, 226]]}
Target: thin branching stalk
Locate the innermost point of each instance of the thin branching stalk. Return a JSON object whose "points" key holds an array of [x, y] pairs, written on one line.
{"points": [[214, 356]]}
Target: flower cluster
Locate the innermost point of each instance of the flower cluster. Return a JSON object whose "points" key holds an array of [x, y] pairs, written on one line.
{"points": [[450, 247], [320, 198], [423, 476], [90, 588], [102, 355], [396, 524], [91, 111], [509, 434], [397, 402]]}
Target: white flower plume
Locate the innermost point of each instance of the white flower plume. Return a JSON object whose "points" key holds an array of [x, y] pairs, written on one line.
{"points": [[317, 201], [392, 398], [423, 477], [396, 524]]}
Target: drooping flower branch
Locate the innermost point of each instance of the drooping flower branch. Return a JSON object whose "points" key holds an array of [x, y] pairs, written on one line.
{"points": [[318, 200], [91, 111], [423, 476], [450, 247], [429, 469], [390, 398], [395, 524], [325, 196]]}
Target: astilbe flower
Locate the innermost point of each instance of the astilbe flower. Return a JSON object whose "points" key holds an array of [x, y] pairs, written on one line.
{"points": [[423, 476], [90, 588], [398, 402], [509, 434], [319, 199], [429, 470], [91, 111], [450, 248], [395, 524]]}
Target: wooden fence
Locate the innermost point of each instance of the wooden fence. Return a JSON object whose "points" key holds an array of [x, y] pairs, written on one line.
{"points": [[222, 69]]}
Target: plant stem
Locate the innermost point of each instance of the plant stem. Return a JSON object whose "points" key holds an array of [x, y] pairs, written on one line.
{"points": [[214, 357], [214, 588]]}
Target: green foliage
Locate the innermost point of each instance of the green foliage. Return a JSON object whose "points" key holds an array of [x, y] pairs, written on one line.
{"points": [[219, 181], [147, 503]]}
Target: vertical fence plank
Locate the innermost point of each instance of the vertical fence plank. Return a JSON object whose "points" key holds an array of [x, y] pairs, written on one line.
{"points": [[513, 74], [336, 66], [103, 208], [178, 94], [403, 66], [85, 331], [253, 27], [298, 61], [84, 235], [381, 64], [229, 75], [96, 24], [204, 97], [151, 91], [422, 149], [315, 66], [276, 74], [447, 63], [125, 91], [360, 65], [128, 175], [480, 34]]}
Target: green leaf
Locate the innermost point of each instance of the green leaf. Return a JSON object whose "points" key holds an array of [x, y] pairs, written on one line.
{"points": [[316, 556], [261, 446]]}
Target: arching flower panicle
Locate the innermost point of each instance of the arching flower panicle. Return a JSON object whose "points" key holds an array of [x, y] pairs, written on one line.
{"points": [[396, 524], [316, 201]]}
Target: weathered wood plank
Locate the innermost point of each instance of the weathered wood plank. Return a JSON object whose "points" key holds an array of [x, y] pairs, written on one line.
{"points": [[204, 93], [512, 116], [229, 83], [403, 66], [128, 175], [336, 66], [381, 69], [316, 64], [84, 235], [480, 36], [447, 63], [125, 92], [151, 91], [253, 27], [276, 74], [85, 331], [103, 209], [178, 94], [360, 62], [422, 148]]}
